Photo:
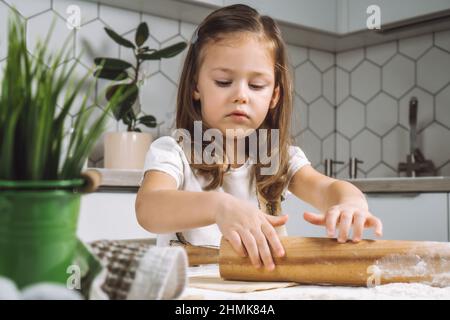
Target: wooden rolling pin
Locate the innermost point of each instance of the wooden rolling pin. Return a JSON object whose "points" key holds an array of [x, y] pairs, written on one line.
{"points": [[92, 178], [325, 261]]}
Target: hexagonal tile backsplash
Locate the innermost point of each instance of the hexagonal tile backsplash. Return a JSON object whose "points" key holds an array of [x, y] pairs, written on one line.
{"points": [[373, 88], [349, 104]]}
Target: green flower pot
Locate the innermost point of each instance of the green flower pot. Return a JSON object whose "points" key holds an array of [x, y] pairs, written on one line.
{"points": [[38, 223]]}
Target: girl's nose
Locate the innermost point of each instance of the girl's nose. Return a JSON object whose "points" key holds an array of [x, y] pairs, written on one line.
{"points": [[241, 95], [240, 100]]}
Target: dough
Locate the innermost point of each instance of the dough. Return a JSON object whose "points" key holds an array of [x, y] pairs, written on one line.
{"points": [[208, 277], [219, 284]]}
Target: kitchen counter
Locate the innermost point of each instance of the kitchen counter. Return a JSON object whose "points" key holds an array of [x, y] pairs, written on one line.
{"points": [[128, 181], [403, 185]]}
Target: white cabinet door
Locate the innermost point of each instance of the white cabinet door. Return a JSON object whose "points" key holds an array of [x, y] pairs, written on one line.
{"points": [[448, 216], [212, 2], [317, 14], [296, 225], [422, 217], [391, 11], [109, 216], [406, 217]]}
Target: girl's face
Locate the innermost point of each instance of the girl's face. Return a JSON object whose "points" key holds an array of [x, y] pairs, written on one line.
{"points": [[236, 75]]}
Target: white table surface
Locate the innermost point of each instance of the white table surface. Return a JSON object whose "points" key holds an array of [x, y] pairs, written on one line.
{"points": [[300, 292]]}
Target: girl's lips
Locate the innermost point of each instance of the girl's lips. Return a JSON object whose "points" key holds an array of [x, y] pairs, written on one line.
{"points": [[238, 114], [238, 117]]}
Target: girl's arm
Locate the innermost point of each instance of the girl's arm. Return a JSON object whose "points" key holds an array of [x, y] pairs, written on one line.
{"points": [[161, 208], [341, 202]]}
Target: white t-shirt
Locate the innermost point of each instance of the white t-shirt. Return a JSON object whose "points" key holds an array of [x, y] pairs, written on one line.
{"points": [[166, 155]]}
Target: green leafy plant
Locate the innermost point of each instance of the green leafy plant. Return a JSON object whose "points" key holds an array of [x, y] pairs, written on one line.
{"points": [[127, 75], [32, 130]]}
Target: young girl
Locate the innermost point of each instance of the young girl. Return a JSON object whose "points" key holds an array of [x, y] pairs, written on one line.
{"points": [[235, 76]]}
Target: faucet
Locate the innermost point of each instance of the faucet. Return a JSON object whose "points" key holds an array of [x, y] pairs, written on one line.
{"points": [[415, 164]]}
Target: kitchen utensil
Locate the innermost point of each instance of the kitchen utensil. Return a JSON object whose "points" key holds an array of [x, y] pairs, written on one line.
{"points": [[325, 261]]}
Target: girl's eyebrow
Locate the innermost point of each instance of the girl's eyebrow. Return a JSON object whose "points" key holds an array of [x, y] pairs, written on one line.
{"points": [[257, 73]]}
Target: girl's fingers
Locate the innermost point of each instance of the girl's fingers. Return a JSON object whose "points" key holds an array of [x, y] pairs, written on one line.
{"points": [[358, 226], [331, 221], [345, 222], [314, 218], [236, 243], [251, 247], [273, 239], [263, 248], [276, 221], [373, 221]]}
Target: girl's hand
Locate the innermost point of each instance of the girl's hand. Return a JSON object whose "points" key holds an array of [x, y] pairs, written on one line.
{"points": [[251, 231], [345, 215]]}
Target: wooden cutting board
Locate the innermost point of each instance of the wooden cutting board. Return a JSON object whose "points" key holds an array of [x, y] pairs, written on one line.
{"points": [[325, 261]]}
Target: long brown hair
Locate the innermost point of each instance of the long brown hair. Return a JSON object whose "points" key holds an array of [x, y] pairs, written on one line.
{"points": [[220, 23]]}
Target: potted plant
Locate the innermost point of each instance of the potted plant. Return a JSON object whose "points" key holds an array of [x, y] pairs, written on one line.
{"points": [[126, 150], [40, 182]]}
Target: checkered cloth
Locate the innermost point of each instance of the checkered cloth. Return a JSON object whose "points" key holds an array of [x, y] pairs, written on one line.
{"points": [[136, 269]]}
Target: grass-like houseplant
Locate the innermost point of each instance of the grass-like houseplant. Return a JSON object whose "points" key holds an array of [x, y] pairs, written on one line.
{"points": [[126, 150], [40, 181]]}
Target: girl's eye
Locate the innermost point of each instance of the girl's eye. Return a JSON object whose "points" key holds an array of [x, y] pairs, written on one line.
{"points": [[254, 86], [227, 83], [223, 83]]}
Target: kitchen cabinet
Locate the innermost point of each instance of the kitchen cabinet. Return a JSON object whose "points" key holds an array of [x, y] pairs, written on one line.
{"points": [[340, 16], [330, 25], [412, 217], [218, 3], [316, 14], [392, 11], [448, 215], [422, 217], [296, 225], [109, 215]]}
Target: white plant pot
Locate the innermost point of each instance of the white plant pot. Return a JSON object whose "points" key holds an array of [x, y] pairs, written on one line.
{"points": [[126, 150]]}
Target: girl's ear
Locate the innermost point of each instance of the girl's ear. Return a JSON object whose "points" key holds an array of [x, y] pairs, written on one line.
{"points": [[275, 97], [196, 94]]}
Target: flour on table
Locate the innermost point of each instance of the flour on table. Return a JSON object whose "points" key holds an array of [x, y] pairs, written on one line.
{"points": [[431, 268], [391, 291]]}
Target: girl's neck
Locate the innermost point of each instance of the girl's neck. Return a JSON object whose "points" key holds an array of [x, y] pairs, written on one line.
{"points": [[234, 160]]}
